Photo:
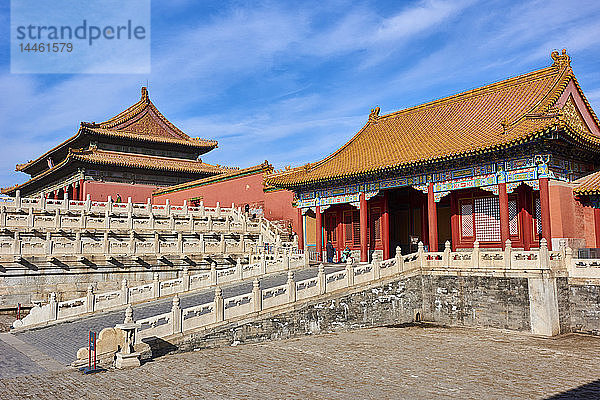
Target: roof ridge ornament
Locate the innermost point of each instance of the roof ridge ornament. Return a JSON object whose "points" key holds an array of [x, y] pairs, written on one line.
{"points": [[561, 60], [374, 115], [145, 93]]}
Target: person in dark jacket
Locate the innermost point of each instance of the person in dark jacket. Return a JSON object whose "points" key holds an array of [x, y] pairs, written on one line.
{"points": [[330, 251]]}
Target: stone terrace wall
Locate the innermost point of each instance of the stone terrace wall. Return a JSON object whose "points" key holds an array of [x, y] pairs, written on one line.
{"points": [[477, 301], [469, 301], [579, 304]]}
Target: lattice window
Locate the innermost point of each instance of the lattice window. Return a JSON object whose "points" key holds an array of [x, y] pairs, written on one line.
{"points": [[513, 217], [356, 228], [487, 219], [348, 226], [375, 224], [466, 219], [538, 216]]}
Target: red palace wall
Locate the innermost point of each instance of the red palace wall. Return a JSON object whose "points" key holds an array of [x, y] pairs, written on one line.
{"points": [[276, 205], [99, 191], [568, 217]]}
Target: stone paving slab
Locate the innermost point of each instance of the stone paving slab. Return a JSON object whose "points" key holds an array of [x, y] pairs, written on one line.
{"points": [[61, 341], [382, 363]]}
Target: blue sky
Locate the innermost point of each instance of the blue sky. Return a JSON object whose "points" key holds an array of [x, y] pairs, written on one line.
{"points": [[291, 82]]}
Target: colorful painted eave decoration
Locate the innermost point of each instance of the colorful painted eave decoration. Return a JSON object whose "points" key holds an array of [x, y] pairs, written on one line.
{"points": [[486, 176]]}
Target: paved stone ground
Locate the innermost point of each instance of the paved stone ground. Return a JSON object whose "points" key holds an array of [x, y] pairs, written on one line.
{"points": [[61, 341], [384, 363]]}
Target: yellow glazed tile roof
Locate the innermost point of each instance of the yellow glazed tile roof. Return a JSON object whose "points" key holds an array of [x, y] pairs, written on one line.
{"points": [[587, 185], [132, 160], [128, 160], [499, 115]]}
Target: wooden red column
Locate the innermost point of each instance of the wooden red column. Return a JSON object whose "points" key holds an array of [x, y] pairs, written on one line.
{"points": [[454, 220], [545, 211], [74, 192], [319, 235], [504, 222], [55, 196], [385, 221], [597, 226], [81, 195], [300, 230], [364, 246], [432, 219]]}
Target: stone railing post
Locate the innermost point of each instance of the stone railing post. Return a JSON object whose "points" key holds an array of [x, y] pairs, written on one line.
{"points": [[201, 243], [350, 272], [30, 218], [256, 295], [3, 216], [132, 243], [57, 221], [65, 204], [185, 275], [202, 209], [399, 259], [263, 264], [475, 255], [222, 243], [155, 286], [90, 299], [82, 219], [149, 206], [151, 220], [17, 244], [286, 261], [213, 273], [544, 254], [18, 199], [508, 254], [124, 292], [219, 305], [238, 269], [291, 287], [446, 255], [209, 223], [105, 244], [78, 247], [186, 210], [180, 242], [321, 282], [107, 219], [421, 254], [172, 222], [48, 243], [109, 205], [376, 266], [53, 314], [156, 243], [218, 210], [176, 316], [42, 202], [88, 203], [168, 208], [568, 258]]}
